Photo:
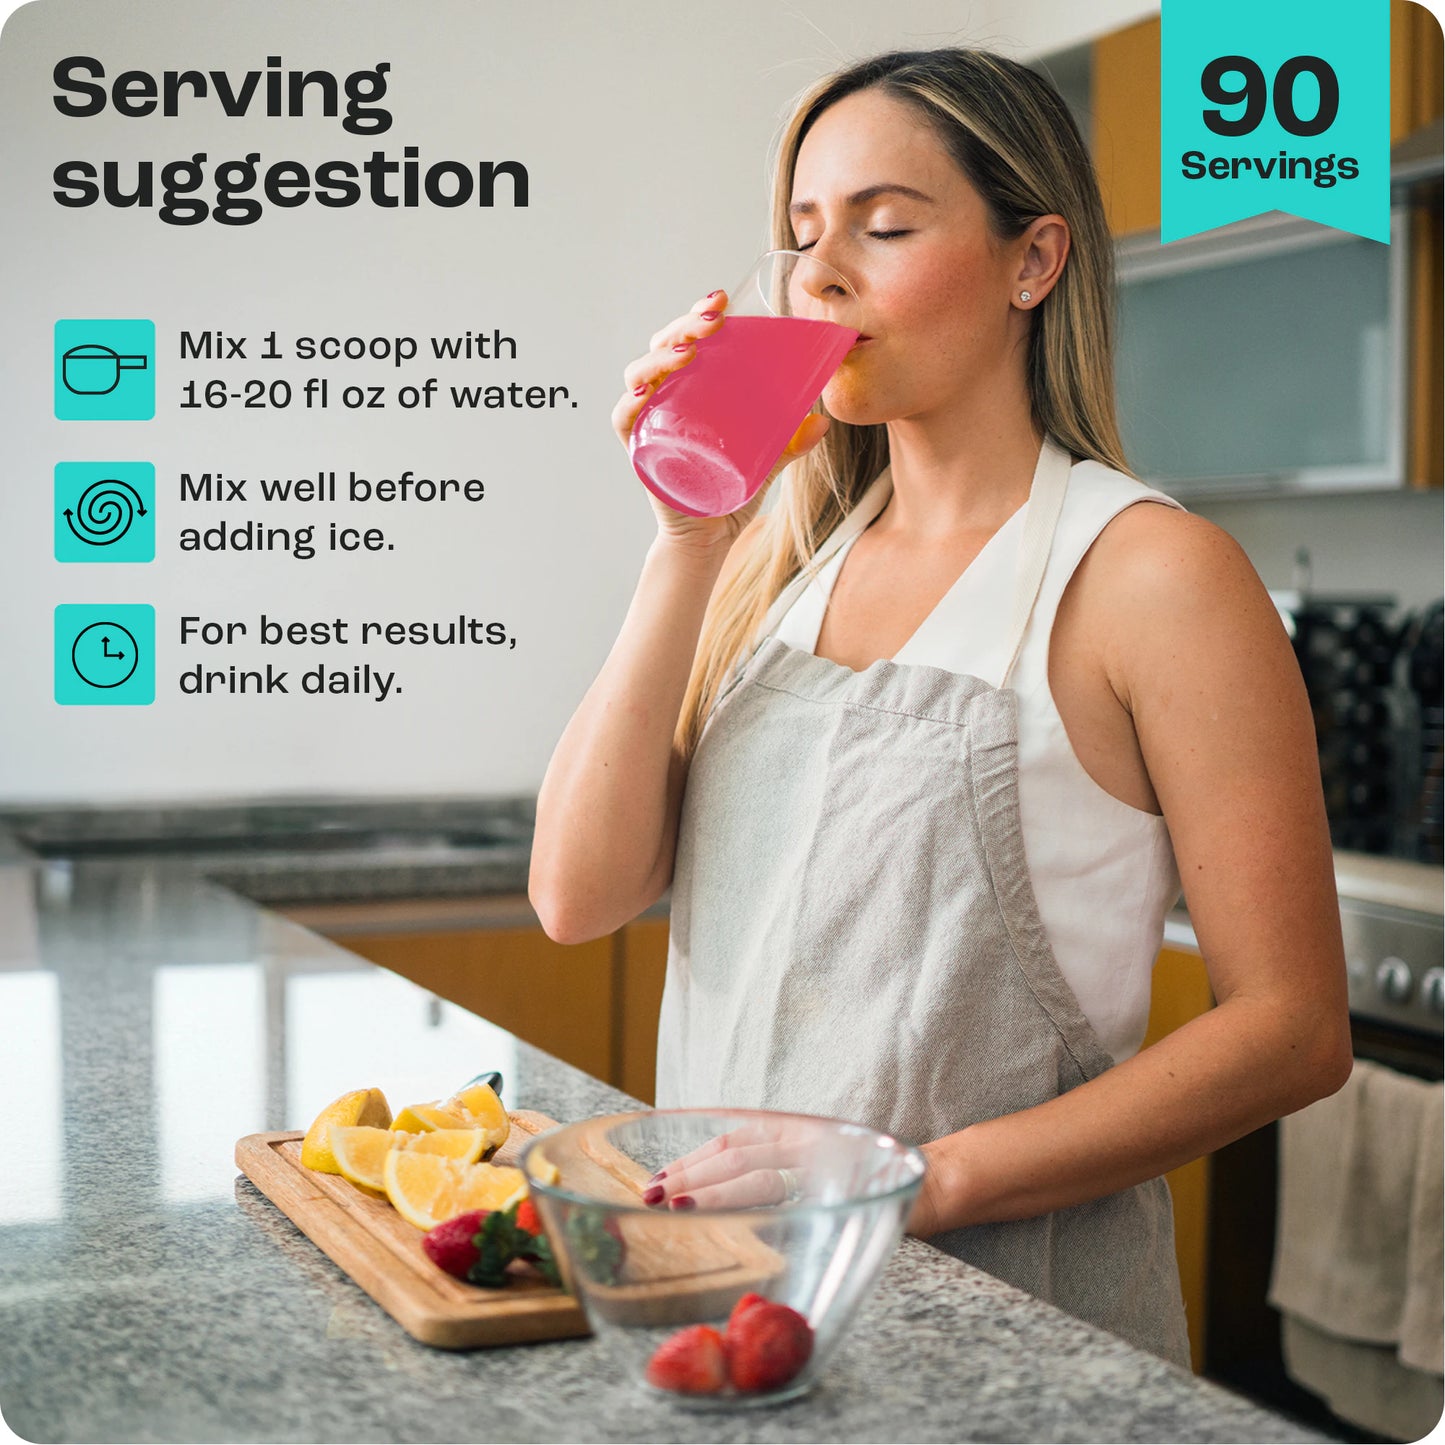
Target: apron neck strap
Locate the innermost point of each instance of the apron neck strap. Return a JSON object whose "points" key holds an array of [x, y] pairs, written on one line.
{"points": [[1046, 501], [873, 500]]}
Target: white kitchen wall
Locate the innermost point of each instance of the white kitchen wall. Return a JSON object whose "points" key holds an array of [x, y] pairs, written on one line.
{"points": [[1039, 27], [1386, 545]]}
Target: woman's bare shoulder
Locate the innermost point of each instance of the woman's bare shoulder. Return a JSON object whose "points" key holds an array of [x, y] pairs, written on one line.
{"points": [[1161, 560], [1165, 591]]}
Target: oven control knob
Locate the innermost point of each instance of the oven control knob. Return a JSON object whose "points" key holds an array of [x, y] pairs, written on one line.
{"points": [[1393, 980], [1432, 988]]}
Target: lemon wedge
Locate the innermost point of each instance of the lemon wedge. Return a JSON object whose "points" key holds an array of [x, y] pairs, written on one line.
{"points": [[360, 1106], [361, 1152], [430, 1188], [474, 1107], [482, 1103], [423, 1118], [543, 1169]]}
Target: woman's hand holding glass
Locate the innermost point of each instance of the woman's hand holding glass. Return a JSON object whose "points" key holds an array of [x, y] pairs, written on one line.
{"points": [[670, 349]]}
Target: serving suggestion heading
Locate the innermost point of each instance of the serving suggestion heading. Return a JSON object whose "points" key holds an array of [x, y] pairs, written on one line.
{"points": [[189, 190]]}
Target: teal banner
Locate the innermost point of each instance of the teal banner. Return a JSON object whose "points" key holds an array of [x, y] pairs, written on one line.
{"points": [[1275, 105]]}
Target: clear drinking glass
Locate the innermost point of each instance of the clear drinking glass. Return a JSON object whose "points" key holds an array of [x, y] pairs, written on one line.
{"points": [[712, 431]]}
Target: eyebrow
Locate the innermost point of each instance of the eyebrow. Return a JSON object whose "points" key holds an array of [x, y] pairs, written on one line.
{"points": [[861, 198]]}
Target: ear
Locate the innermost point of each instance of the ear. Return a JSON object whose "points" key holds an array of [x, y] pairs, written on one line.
{"points": [[1043, 249]]}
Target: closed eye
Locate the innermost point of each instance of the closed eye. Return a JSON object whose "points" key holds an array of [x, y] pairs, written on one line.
{"points": [[877, 236]]}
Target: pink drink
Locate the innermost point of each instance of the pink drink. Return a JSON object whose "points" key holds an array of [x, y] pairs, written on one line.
{"points": [[711, 433]]}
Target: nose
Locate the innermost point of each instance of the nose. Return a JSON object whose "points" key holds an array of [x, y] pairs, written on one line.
{"points": [[817, 290]]}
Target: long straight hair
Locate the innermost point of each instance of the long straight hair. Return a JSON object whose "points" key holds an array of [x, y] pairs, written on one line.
{"points": [[1011, 135]]}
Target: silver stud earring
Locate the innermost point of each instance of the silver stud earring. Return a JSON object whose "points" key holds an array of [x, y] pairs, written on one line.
{"points": [[1025, 295]]}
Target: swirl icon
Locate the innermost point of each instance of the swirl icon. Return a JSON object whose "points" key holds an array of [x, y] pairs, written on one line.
{"points": [[104, 512]]}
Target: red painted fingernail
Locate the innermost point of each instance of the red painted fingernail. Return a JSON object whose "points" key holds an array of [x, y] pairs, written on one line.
{"points": [[711, 294], [684, 1201], [711, 315], [683, 346], [653, 1195], [640, 390], [661, 1174]]}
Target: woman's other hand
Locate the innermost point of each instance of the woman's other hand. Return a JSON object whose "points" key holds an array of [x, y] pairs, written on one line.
{"points": [[751, 1167], [670, 349]]}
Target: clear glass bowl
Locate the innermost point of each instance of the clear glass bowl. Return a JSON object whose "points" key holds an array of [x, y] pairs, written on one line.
{"points": [[832, 1201]]}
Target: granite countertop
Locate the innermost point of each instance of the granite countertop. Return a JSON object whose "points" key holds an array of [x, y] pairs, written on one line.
{"points": [[152, 1017]]}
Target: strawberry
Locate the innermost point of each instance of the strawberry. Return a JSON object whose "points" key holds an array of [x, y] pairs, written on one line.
{"points": [[767, 1344], [477, 1246], [744, 1305], [528, 1219], [452, 1244], [533, 1244], [690, 1362]]}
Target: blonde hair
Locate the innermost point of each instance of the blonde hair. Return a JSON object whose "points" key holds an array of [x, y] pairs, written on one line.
{"points": [[1010, 133]]}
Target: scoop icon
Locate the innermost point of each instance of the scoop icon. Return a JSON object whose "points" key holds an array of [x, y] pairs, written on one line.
{"points": [[94, 370]]}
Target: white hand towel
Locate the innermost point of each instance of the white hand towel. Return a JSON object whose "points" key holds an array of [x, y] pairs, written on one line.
{"points": [[1422, 1326], [1348, 1170], [1365, 1384]]}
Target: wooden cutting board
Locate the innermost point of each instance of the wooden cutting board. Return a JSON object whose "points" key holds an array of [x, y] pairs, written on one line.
{"points": [[677, 1271], [368, 1239]]}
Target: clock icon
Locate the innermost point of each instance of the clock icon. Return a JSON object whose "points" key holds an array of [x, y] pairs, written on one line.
{"points": [[105, 654]]}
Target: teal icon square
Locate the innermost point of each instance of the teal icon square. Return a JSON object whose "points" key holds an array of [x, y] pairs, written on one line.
{"points": [[105, 654], [105, 370], [105, 512]]}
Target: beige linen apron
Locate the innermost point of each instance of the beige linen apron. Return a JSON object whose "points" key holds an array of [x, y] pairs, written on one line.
{"points": [[854, 933]]}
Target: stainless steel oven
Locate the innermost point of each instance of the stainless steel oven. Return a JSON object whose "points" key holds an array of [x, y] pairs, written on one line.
{"points": [[1397, 996]]}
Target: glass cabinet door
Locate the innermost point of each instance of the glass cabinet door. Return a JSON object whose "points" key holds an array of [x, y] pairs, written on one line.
{"points": [[1272, 364]]}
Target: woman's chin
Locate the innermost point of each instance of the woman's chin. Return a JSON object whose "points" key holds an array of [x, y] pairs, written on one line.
{"points": [[848, 399], [853, 410]]}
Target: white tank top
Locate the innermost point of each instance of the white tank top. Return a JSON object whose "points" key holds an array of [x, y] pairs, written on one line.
{"points": [[1103, 872]]}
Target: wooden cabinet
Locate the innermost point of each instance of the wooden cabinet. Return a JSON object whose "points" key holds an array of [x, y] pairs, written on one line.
{"points": [[1182, 992], [594, 1004], [1417, 60], [1125, 137], [1417, 97], [489, 955], [1425, 442], [642, 966]]}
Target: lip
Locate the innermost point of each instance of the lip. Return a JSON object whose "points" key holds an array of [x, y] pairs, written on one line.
{"points": [[861, 341]]}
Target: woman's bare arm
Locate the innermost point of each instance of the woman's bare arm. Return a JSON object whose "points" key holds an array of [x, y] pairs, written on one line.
{"points": [[608, 807], [1194, 649]]}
